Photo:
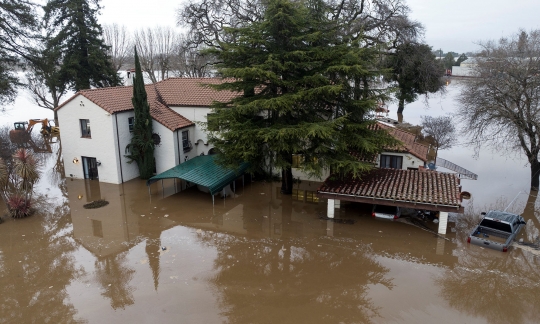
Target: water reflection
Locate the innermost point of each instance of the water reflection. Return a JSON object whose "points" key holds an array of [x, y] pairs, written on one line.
{"points": [[114, 276], [272, 259], [500, 287], [36, 266], [314, 281]]}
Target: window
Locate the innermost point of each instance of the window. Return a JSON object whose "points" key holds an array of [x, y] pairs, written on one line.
{"points": [[298, 194], [311, 196], [297, 160], [186, 143], [97, 228], [391, 161], [131, 123], [85, 128]]}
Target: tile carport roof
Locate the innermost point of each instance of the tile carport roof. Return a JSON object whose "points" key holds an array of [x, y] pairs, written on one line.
{"points": [[162, 95], [429, 190]]}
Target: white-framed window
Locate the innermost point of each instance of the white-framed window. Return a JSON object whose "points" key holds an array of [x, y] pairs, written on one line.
{"points": [[391, 161], [186, 143], [85, 128], [131, 123]]}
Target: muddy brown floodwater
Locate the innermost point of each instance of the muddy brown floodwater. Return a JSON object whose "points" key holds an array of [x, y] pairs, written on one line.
{"points": [[256, 258], [261, 257]]}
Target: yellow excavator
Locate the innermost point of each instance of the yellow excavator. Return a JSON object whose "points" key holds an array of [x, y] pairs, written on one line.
{"points": [[22, 130]]}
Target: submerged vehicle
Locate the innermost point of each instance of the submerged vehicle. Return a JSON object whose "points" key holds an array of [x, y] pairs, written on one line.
{"points": [[386, 212], [497, 230]]}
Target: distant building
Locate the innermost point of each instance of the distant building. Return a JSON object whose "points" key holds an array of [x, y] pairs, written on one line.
{"points": [[465, 69]]}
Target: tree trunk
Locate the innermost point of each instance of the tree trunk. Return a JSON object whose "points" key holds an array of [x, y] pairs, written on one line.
{"points": [[401, 106], [286, 176], [535, 174]]}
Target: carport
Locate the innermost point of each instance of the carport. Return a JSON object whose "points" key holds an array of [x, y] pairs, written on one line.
{"points": [[429, 190], [203, 171]]}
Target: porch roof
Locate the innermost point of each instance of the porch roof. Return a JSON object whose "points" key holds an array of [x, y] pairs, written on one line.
{"points": [[204, 171], [429, 190]]}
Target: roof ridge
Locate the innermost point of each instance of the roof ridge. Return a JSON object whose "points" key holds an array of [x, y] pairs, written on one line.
{"points": [[104, 88]]}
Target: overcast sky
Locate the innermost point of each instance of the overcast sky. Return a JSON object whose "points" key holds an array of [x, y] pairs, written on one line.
{"points": [[450, 25]]}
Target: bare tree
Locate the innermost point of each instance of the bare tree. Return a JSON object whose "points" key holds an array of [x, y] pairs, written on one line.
{"points": [[120, 44], [190, 61], [501, 106], [156, 47], [44, 76], [441, 130], [145, 42], [166, 40], [376, 21]]}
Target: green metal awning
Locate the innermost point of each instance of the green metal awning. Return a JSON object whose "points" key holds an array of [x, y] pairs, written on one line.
{"points": [[204, 171]]}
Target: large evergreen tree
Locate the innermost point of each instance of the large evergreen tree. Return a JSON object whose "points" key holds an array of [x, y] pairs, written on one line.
{"points": [[17, 21], [415, 70], [77, 32], [141, 148], [305, 89]]}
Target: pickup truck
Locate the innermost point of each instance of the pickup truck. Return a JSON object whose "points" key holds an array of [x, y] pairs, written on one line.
{"points": [[496, 230]]}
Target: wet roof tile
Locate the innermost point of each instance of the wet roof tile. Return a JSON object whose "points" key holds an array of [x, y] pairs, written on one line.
{"points": [[408, 140], [426, 187], [170, 92], [193, 92]]}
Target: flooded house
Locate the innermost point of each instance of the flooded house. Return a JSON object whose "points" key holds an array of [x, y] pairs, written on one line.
{"points": [[97, 126]]}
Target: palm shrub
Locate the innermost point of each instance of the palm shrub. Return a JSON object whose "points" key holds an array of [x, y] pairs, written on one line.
{"points": [[17, 183]]}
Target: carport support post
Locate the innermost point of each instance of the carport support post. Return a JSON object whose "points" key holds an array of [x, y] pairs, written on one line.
{"points": [[330, 210], [443, 222]]}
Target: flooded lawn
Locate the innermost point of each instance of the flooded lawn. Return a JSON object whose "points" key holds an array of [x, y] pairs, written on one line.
{"points": [[261, 257]]}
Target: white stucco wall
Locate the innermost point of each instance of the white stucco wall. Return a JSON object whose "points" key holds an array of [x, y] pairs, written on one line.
{"points": [[129, 170], [298, 174], [195, 114], [166, 153], [101, 145], [409, 160]]}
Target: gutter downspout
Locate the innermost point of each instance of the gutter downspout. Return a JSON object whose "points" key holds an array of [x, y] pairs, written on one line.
{"points": [[119, 157], [178, 146]]}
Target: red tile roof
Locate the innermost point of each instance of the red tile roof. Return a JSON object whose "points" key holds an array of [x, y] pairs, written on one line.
{"points": [[407, 186], [408, 140], [192, 92], [169, 92]]}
